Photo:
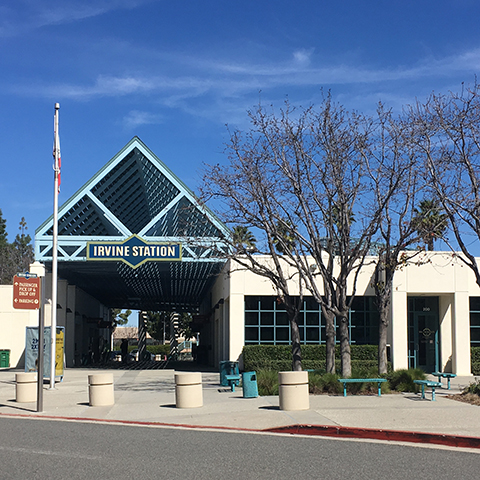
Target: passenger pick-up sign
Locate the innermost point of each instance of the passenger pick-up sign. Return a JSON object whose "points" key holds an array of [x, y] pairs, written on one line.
{"points": [[134, 251], [26, 292]]}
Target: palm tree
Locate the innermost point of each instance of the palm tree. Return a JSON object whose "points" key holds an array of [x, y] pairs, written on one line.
{"points": [[430, 222], [243, 239], [285, 237]]}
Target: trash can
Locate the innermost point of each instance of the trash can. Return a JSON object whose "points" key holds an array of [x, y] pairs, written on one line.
{"points": [[293, 390], [4, 358], [188, 390], [228, 368], [249, 382], [100, 390], [26, 387]]}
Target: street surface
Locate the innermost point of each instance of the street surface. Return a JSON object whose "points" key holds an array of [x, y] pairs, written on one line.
{"points": [[54, 450]]}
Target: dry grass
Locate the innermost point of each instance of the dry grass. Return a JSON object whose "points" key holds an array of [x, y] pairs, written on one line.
{"points": [[470, 398]]}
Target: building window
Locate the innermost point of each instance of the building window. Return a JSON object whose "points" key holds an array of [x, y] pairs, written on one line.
{"points": [[266, 321], [364, 320], [475, 321]]}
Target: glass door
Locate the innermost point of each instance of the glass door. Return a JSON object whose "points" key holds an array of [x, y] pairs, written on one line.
{"points": [[423, 330]]}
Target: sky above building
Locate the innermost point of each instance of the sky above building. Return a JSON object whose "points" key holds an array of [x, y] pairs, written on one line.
{"points": [[175, 74]]}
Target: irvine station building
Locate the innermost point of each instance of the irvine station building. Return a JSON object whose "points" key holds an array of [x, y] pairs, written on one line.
{"points": [[134, 236]]}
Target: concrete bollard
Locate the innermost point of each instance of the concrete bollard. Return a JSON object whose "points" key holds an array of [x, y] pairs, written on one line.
{"points": [[100, 390], [26, 387], [293, 390], [188, 390]]}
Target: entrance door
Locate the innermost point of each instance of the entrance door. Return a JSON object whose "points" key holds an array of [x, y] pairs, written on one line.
{"points": [[424, 333]]}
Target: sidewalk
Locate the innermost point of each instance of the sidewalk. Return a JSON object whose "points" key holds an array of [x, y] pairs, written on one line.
{"points": [[148, 397]]}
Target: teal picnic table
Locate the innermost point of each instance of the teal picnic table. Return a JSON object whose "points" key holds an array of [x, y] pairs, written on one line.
{"points": [[446, 375], [429, 384], [379, 382]]}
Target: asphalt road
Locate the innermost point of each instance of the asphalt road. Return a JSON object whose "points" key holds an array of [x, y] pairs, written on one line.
{"points": [[44, 449]]}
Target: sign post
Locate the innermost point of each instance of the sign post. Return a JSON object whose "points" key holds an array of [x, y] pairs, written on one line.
{"points": [[27, 294]]}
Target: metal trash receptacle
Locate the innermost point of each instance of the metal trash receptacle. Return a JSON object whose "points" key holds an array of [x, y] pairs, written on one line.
{"points": [[4, 358], [249, 382], [228, 367]]}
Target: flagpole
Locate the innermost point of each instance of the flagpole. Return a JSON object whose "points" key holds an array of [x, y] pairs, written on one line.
{"points": [[53, 325]]}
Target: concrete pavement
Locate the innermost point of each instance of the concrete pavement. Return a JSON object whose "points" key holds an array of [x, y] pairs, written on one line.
{"points": [[148, 397]]}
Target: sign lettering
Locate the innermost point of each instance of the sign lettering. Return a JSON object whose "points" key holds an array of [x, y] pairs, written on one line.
{"points": [[134, 251], [26, 292]]}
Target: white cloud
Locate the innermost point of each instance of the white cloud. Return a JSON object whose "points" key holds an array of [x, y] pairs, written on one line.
{"points": [[26, 15], [302, 57], [136, 118]]}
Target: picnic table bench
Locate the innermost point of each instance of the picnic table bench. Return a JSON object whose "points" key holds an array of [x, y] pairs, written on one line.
{"points": [[446, 375], [379, 381], [232, 380], [430, 384]]}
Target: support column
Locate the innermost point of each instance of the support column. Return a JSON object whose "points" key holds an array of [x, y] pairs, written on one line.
{"points": [[399, 328], [446, 328], [461, 335], [236, 316]]}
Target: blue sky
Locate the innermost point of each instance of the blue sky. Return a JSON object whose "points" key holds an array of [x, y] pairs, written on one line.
{"points": [[175, 73]]}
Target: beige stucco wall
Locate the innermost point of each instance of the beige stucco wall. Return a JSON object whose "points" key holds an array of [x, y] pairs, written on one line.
{"points": [[73, 308], [439, 274], [13, 323]]}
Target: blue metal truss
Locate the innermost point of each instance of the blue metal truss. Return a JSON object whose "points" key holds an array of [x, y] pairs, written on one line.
{"points": [[135, 193]]}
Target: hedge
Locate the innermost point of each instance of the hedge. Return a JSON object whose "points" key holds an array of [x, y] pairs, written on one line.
{"points": [[154, 349], [279, 357], [475, 359]]}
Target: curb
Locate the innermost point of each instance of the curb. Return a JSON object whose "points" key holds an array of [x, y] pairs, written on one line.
{"points": [[460, 441], [374, 434]]}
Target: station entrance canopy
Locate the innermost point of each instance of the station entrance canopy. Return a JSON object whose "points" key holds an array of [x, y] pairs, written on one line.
{"points": [[134, 236]]}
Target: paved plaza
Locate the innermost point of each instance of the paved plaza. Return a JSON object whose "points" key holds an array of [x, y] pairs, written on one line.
{"points": [[148, 397]]}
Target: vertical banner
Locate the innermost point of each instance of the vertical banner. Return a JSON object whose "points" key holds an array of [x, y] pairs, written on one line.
{"points": [[59, 351], [32, 348]]}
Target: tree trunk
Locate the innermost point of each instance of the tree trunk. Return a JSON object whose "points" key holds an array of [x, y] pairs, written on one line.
{"points": [[330, 343], [382, 342], [296, 350], [345, 346]]}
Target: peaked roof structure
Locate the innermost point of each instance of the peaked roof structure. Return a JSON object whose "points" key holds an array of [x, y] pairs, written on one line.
{"points": [[136, 195]]}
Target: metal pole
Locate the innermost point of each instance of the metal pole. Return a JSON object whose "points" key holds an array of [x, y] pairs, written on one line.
{"points": [[41, 351], [38, 269], [53, 327]]}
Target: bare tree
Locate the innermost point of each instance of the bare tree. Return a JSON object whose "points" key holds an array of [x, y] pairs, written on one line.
{"points": [[448, 135], [249, 194], [304, 181], [397, 162]]}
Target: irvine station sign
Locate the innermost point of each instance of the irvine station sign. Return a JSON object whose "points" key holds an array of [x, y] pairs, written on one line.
{"points": [[134, 251]]}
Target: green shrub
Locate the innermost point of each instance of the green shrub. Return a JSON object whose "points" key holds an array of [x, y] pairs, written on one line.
{"points": [[475, 359], [155, 349], [473, 388], [159, 349], [324, 383], [402, 380], [475, 352], [267, 382], [279, 357]]}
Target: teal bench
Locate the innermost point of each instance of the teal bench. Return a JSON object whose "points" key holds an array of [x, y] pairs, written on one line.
{"points": [[232, 380], [379, 381], [430, 384], [446, 375]]}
